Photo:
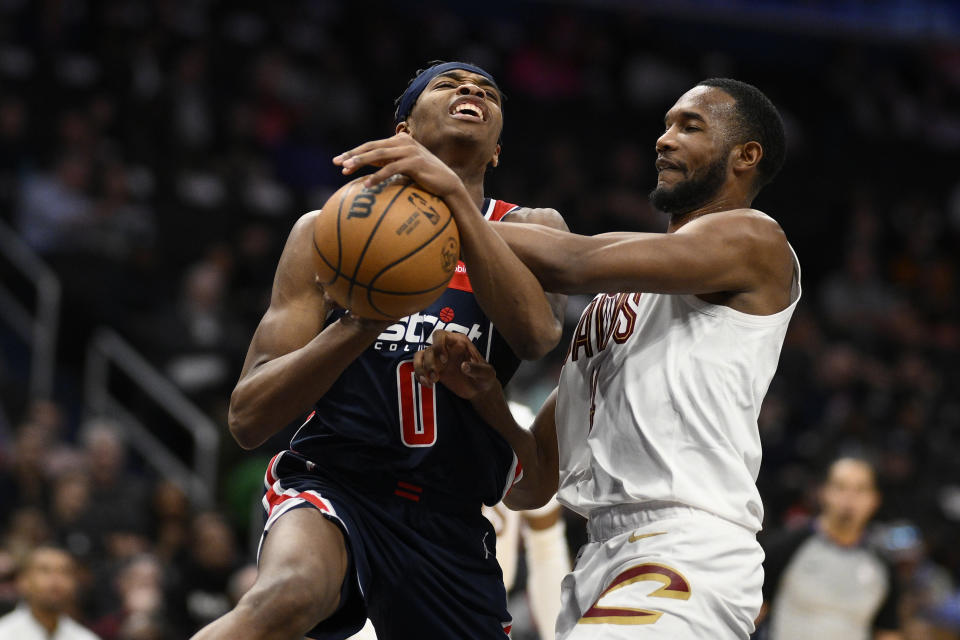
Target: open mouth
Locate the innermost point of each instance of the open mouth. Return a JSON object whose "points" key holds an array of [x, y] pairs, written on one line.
{"points": [[466, 110]]}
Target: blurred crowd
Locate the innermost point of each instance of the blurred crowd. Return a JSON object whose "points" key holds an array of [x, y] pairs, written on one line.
{"points": [[157, 153]]}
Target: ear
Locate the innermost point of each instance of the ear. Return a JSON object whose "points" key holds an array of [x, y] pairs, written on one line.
{"points": [[746, 156], [402, 127], [495, 160]]}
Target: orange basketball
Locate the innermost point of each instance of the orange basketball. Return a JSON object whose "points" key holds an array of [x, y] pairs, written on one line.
{"points": [[387, 251]]}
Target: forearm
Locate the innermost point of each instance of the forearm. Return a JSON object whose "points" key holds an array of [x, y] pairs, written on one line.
{"points": [[508, 292], [273, 393], [536, 449]]}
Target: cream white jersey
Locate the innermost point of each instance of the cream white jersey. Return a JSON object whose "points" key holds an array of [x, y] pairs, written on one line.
{"points": [[658, 402]]}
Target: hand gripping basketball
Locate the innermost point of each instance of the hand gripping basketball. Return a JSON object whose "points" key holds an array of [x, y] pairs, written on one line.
{"points": [[401, 154], [453, 361], [387, 251]]}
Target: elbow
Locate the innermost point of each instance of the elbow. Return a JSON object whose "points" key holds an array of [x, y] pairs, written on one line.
{"points": [[241, 425], [527, 500], [540, 341]]}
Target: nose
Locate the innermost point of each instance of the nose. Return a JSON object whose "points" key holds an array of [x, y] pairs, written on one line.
{"points": [[471, 89], [667, 141]]}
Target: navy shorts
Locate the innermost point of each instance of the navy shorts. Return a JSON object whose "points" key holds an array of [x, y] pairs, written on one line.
{"points": [[420, 565]]}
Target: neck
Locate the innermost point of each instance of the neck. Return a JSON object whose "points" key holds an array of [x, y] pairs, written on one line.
{"points": [[721, 203], [48, 619], [842, 534], [463, 159]]}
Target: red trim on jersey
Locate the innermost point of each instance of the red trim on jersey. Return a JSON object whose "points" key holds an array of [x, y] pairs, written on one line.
{"points": [[507, 629], [407, 495], [500, 209], [460, 281], [518, 474], [411, 487], [271, 478], [275, 501]]}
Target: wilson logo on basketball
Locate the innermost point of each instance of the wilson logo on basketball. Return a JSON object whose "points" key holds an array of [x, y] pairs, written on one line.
{"points": [[362, 204]]}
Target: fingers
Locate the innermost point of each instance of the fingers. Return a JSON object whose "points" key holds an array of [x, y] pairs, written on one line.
{"points": [[424, 366], [375, 152], [402, 165], [429, 363]]}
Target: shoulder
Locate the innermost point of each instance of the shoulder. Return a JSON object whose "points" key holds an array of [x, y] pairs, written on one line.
{"points": [[300, 241], [748, 223], [305, 222], [751, 233], [535, 215], [16, 619], [76, 630]]}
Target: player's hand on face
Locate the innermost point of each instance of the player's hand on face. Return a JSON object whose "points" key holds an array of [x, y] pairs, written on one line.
{"points": [[453, 361], [401, 154]]}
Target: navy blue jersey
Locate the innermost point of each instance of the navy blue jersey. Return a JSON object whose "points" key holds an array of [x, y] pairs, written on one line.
{"points": [[377, 420]]}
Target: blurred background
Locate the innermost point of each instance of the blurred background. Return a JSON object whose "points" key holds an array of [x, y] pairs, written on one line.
{"points": [[154, 155]]}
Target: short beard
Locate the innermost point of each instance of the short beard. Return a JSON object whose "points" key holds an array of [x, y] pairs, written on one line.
{"points": [[692, 192]]}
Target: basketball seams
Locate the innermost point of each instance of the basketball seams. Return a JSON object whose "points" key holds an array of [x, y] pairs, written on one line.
{"points": [[413, 252], [336, 270], [373, 305], [370, 237], [402, 271]]}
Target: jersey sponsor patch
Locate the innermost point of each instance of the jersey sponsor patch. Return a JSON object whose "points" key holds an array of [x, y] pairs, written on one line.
{"points": [[415, 331]]}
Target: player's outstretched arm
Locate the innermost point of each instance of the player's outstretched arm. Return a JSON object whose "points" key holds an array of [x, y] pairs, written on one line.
{"points": [[507, 292], [729, 251], [292, 360], [453, 361]]}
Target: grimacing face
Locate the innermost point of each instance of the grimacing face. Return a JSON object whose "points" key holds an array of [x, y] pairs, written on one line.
{"points": [[850, 497], [457, 105], [693, 151]]}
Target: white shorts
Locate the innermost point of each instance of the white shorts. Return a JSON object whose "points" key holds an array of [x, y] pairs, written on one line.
{"points": [[661, 570]]}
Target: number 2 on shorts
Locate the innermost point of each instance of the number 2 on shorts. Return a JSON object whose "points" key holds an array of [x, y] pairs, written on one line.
{"points": [[418, 410], [674, 586]]}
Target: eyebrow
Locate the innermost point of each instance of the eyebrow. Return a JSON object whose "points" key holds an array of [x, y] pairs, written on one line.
{"points": [[460, 76], [686, 115]]}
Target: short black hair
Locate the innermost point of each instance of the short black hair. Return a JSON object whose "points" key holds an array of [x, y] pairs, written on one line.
{"points": [[757, 120]]}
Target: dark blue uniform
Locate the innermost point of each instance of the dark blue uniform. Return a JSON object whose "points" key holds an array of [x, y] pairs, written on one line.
{"points": [[403, 469]]}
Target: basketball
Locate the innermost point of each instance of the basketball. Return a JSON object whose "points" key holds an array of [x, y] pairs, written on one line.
{"points": [[385, 252]]}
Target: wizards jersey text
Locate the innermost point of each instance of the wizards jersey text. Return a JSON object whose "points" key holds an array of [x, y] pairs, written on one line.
{"points": [[377, 420]]}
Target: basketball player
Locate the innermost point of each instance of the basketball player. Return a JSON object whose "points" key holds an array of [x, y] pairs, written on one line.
{"points": [[375, 508], [652, 431]]}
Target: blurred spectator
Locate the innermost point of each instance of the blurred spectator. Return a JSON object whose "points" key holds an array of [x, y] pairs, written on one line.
{"points": [[211, 560], [72, 520], [47, 583], [56, 206], [139, 594], [857, 299], [823, 581], [118, 499], [171, 520]]}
